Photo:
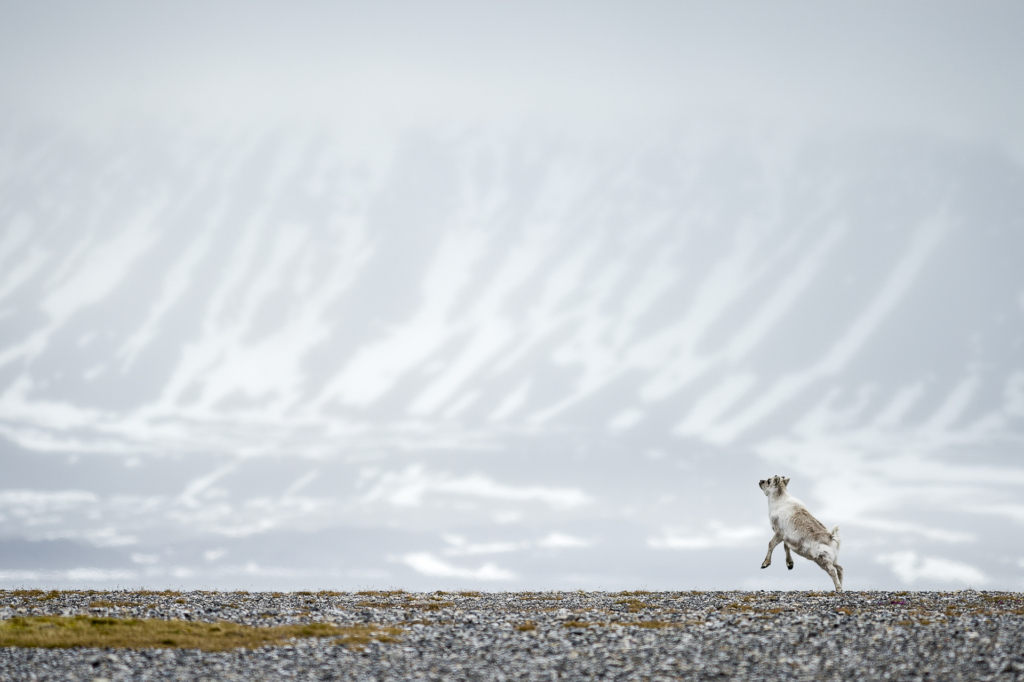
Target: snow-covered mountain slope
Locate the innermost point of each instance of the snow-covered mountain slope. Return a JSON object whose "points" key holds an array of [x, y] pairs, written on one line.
{"points": [[518, 360]]}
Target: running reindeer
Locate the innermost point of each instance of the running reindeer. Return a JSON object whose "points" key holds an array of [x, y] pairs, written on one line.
{"points": [[801, 532]]}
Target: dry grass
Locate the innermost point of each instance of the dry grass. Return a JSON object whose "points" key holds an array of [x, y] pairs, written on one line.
{"points": [[634, 605], [38, 595], [538, 596], [380, 593], [428, 605], [82, 631], [432, 603], [653, 624]]}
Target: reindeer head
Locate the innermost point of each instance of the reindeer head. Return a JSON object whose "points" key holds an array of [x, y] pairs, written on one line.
{"points": [[776, 485]]}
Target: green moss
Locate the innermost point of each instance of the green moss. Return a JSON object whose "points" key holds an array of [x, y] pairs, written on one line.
{"points": [[83, 631]]}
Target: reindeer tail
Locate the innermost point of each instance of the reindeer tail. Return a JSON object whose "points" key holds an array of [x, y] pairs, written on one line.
{"points": [[836, 540]]}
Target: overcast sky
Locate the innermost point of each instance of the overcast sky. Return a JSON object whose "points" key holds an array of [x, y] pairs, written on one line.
{"points": [[953, 68], [509, 294]]}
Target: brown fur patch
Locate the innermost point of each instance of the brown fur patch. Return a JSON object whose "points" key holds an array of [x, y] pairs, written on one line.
{"points": [[808, 526]]}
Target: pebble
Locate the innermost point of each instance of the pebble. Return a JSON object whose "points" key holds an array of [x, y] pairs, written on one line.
{"points": [[963, 635]]}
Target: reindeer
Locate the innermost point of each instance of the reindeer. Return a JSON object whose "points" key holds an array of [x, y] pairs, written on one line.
{"points": [[801, 532]]}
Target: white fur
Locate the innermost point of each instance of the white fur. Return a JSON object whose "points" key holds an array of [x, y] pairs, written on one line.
{"points": [[800, 531]]}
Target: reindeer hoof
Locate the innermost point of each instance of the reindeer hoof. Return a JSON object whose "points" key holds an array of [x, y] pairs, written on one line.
{"points": [[765, 564], [790, 565]]}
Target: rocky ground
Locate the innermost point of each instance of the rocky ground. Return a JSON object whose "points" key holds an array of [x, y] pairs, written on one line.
{"points": [[964, 635]]}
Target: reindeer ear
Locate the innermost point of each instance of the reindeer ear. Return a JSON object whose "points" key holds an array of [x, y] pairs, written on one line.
{"points": [[785, 481]]}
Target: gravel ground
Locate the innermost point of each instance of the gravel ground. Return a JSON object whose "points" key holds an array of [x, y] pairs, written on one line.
{"points": [[963, 635]]}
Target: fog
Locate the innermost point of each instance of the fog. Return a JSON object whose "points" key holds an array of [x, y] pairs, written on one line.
{"points": [[524, 297]]}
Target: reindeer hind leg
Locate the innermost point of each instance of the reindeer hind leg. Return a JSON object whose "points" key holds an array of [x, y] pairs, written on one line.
{"points": [[830, 568]]}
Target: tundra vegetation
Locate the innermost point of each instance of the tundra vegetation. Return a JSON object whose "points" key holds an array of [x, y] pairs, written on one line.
{"points": [[154, 633], [159, 619], [393, 634]]}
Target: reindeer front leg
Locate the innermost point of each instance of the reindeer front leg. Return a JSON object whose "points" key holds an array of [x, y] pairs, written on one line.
{"points": [[771, 548], [789, 558]]}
